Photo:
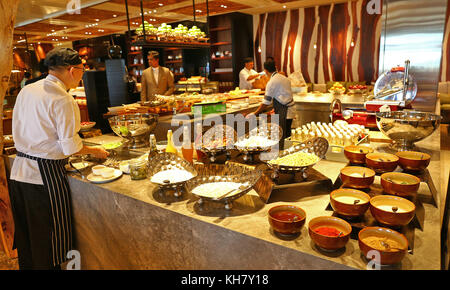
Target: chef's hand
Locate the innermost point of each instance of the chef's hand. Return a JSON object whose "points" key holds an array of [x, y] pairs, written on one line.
{"points": [[99, 152], [250, 115]]}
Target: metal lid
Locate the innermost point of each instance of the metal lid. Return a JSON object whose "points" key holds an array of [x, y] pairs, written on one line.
{"points": [[390, 86]]}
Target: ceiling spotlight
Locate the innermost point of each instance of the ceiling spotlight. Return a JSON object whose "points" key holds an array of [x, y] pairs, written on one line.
{"points": [[284, 6], [160, 4], [198, 11], [97, 20], [114, 15]]}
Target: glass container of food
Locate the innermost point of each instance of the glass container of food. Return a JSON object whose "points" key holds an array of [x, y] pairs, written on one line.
{"points": [[138, 169]]}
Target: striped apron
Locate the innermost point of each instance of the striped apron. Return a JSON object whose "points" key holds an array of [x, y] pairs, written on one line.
{"points": [[54, 177]]}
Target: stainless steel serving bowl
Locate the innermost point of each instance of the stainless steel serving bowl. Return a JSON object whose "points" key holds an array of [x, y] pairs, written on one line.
{"points": [[407, 127], [169, 161], [134, 127]]}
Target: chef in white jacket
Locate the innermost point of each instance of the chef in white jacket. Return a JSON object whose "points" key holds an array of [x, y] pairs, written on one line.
{"points": [[45, 126]]}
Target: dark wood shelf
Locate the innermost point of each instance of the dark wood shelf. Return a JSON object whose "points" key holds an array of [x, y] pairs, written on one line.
{"points": [[221, 28], [174, 61], [169, 44], [135, 65], [221, 43], [222, 58]]}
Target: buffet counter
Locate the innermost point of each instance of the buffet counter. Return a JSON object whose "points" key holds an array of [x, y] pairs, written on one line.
{"points": [[127, 224], [316, 107]]}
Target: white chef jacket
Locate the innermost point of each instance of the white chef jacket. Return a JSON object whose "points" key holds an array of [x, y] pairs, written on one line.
{"points": [[279, 87], [243, 76], [45, 124]]}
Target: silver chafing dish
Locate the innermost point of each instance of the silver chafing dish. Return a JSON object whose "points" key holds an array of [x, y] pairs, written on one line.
{"points": [[317, 146], [136, 128], [407, 127], [168, 161], [229, 172]]}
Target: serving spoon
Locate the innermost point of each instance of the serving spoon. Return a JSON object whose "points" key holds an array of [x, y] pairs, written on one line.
{"points": [[241, 188]]}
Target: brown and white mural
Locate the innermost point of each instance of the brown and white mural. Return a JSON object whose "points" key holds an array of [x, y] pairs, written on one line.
{"points": [[336, 42]]}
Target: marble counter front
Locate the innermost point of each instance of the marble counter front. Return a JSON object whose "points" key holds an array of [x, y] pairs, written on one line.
{"points": [[128, 224]]}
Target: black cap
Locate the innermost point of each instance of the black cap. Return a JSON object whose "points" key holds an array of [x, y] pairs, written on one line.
{"points": [[62, 56]]}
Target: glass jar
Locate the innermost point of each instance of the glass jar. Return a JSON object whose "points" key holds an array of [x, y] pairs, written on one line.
{"points": [[138, 169]]}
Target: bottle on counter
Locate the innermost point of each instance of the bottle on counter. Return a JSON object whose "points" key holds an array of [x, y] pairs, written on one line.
{"points": [[187, 148], [198, 142], [170, 146], [152, 142]]}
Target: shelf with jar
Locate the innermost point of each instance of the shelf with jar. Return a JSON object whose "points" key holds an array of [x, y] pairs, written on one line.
{"points": [[173, 60], [135, 62]]}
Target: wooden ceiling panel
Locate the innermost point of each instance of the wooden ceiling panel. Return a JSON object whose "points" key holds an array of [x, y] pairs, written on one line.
{"points": [[90, 15], [214, 7], [42, 27], [152, 20], [146, 4], [94, 31]]}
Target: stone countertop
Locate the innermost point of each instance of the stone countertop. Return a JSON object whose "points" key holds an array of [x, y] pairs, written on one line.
{"points": [[327, 98], [249, 216]]}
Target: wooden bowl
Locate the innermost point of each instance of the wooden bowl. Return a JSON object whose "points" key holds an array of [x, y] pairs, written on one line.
{"points": [[401, 184], [329, 243], [357, 177], [356, 154], [349, 202], [382, 162], [391, 210], [413, 160], [369, 240], [281, 219]]}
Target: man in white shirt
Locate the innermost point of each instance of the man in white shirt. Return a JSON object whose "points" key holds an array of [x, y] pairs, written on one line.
{"points": [[45, 126], [247, 75], [278, 92], [156, 80]]}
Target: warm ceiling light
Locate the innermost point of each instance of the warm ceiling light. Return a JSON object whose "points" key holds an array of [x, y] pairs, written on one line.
{"points": [[284, 6], [160, 4], [97, 20], [114, 15], [198, 11], [65, 27]]}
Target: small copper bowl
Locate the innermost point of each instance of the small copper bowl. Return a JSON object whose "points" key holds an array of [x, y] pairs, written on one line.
{"points": [[413, 160], [391, 210], [357, 177], [369, 239], [329, 243], [382, 162], [281, 219], [356, 154], [349, 202], [401, 184]]}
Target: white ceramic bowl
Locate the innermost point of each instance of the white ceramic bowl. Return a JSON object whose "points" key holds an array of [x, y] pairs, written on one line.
{"points": [[97, 169], [108, 172]]}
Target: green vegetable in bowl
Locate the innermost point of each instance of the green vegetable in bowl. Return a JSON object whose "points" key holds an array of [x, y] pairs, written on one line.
{"points": [[112, 145], [124, 130]]}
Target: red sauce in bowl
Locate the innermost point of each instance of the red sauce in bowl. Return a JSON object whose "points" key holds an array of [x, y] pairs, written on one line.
{"points": [[328, 231], [286, 216]]}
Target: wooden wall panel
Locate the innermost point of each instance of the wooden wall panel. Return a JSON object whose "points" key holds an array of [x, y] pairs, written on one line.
{"points": [[274, 32], [338, 41], [257, 46], [367, 69], [308, 27], [324, 12], [290, 44]]}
